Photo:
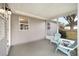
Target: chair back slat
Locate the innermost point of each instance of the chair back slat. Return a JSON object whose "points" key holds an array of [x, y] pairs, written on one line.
{"points": [[57, 37]]}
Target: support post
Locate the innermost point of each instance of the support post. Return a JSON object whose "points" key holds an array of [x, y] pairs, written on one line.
{"points": [[57, 26]]}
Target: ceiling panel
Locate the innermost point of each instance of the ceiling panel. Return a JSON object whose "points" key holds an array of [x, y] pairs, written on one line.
{"points": [[43, 10]]}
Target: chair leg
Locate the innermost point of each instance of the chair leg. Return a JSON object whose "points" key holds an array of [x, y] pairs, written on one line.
{"points": [[56, 49], [69, 53]]}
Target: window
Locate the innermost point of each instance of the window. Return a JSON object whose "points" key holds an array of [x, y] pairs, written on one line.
{"points": [[23, 23]]}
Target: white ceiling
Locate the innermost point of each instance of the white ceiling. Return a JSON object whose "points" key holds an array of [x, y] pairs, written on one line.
{"points": [[43, 10]]}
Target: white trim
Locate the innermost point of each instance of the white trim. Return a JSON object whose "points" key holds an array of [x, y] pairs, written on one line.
{"points": [[8, 34], [57, 26]]}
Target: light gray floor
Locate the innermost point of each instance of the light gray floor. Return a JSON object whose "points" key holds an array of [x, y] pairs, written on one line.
{"points": [[37, 48]]}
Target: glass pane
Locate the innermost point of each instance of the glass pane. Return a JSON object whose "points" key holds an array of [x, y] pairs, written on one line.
{"points": [[23, 21]]}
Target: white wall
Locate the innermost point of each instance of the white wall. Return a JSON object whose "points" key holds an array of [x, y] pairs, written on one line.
{"points": [[35, 32], [53, 29]]}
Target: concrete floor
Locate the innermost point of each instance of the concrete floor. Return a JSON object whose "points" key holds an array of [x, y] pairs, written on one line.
{"points": [[37, 48]]}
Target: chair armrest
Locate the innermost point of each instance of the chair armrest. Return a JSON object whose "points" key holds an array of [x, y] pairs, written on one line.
{"points": [[68, 47]]}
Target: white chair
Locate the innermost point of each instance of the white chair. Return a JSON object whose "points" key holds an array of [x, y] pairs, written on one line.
{"points": [[57, 38], [67, 49]]}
